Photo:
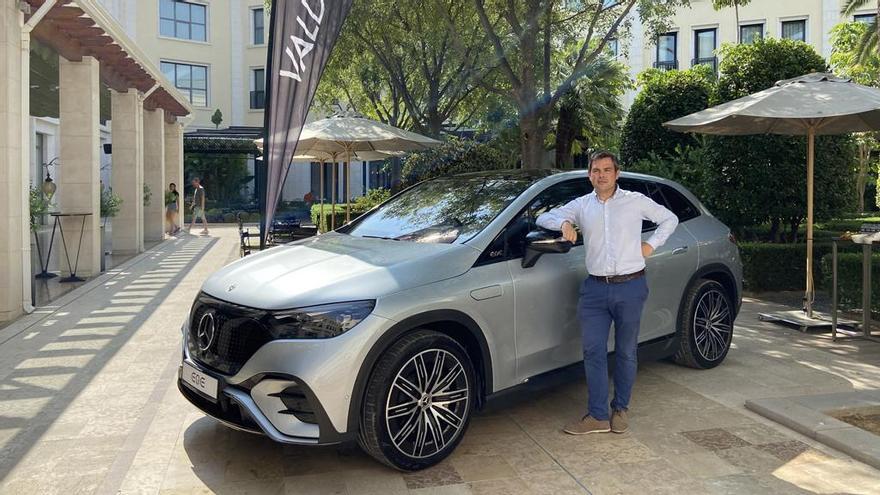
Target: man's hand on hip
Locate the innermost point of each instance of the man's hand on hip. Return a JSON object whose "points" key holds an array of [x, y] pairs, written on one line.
{"points": [[568, 232], [647, 250]]}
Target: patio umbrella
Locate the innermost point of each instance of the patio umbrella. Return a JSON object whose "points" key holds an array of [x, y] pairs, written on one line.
{"points": [[350, 135], [810, 105]]}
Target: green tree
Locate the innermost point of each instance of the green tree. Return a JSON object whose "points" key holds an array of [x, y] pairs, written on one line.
{"points": [[531, 40], [217, 118], [845, 61], [869, 41], [454, 156], [664, 95], [721, 4], [409, 63], [223, 175], [772, 167]]}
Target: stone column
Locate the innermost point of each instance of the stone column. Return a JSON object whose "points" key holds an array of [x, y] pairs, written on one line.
{"points": [[154, 173], [12, 216], [80, 164], [174, 162], [127, 170]]}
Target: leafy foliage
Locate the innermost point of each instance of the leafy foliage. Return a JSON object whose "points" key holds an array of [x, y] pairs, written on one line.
{"points": [[223, 175], [217, 118], [39, 206], [455, 156], [110, 203], [665, 95]]}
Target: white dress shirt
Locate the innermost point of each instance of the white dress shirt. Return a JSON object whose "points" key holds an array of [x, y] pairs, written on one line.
{"points": [[612, 229]]}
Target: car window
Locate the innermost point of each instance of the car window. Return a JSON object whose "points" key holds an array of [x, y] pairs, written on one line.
{"points": [[675, 201], [650, 190], [511, 242], [449, 210]]}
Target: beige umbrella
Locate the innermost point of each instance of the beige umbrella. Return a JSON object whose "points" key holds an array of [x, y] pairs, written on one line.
{"points": [[350, 135], [321, 155], [813, 104]]}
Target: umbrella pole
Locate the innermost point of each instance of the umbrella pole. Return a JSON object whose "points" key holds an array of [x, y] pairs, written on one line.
{"points": [[333, 196], [347, 185], [810, 294], [321, 193]]}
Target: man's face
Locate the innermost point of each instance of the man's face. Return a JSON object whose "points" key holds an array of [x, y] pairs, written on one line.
{"points": [[195, 183], [603, 176]]}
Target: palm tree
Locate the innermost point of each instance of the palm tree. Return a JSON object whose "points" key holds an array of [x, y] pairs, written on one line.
{"points": [[869, 41]]}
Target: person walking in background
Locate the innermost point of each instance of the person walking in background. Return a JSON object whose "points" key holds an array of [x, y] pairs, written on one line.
{"points": [[172, 206], [198, 206]]}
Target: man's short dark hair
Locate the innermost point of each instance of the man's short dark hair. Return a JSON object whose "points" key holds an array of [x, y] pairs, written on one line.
{"points": [[604, 154]]}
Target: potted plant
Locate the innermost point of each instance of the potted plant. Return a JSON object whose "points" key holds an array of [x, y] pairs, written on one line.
{"points": [[39, 206], [110, 205]]}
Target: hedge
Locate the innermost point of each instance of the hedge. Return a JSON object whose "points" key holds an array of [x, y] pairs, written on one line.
{"points": [[325, 223], [773, 267], [849, 279]]}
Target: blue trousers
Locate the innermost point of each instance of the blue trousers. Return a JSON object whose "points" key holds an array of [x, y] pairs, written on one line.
{"points": [[599, 305]]}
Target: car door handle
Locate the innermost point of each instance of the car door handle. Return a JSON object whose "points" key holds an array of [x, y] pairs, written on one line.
{"points": [[680, 250], [487, 292]]}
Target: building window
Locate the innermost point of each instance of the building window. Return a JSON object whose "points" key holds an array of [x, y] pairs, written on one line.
{"points": [[258, 89], [182, 20], [667, 47], [704, 48], [191, 80], [749, 33], [866, 18], [257, 23], [795, 30], [613, 48]]}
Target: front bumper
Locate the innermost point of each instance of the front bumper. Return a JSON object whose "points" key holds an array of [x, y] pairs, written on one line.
{"points": [[320, 374]]}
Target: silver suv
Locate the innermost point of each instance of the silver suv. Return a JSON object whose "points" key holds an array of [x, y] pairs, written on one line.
{"points": [[394, 328]]}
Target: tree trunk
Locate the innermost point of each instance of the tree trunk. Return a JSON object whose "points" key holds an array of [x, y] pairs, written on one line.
{"points": [[736, 9], [774, 230], [532, 140], [794, 223], [862, 177], [565, 137]]}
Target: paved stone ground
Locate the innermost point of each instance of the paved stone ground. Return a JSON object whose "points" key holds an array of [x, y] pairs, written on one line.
{"points": [[88, 404]]}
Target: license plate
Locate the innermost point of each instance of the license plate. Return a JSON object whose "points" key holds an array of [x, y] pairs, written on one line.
{"points": [[200, 381]]}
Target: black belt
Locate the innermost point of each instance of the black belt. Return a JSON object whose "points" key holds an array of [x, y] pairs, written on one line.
{"points": [[618, 279]]}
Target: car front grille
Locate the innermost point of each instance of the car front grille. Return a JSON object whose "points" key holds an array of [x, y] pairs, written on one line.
{"points": [[223, 336]]}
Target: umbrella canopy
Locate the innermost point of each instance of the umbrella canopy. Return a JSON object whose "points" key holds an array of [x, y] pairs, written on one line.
{"points": [[352, 134], [812, 104], [829, 104]]}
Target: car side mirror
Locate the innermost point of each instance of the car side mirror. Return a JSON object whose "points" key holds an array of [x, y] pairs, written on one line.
{"points": [[539, 242]]}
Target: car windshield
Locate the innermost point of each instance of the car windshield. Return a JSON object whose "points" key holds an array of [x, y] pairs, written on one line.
{"points": [[448, 210]]}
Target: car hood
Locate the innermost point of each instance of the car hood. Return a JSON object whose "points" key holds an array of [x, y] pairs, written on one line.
{"points": [[335, 267]]}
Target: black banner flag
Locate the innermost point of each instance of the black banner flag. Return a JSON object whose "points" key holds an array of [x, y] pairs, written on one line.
{"points": [[301, 36]]}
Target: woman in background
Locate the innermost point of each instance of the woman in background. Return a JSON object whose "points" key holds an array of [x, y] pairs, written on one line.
{"points": [[172, 206]]}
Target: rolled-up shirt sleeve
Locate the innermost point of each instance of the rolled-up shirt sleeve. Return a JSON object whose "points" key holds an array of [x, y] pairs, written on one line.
{"points": [[666, 221], [554, 218]]}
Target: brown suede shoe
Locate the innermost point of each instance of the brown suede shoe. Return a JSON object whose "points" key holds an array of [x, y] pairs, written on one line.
{"points": [[587, 425], [619, 423]]}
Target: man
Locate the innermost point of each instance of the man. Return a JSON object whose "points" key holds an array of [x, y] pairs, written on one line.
{"points": [[615, 289], [198, 206]]}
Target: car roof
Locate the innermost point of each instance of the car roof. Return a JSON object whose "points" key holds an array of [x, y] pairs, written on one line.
{"points": [[557, 175]]}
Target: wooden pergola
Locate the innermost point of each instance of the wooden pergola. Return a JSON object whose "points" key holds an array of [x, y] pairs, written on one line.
{"points": [[76, 31]]}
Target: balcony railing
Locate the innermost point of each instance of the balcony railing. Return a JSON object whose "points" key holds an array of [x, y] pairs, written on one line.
{"points": [[710, 61], [666, 64], [258, 99]]}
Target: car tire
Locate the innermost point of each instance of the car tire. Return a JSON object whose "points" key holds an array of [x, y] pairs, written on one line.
{"points": [[705, 325], [402, 423]]}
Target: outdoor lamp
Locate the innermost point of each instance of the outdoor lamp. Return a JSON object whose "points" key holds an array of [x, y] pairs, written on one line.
{"points": [[49, 186]]}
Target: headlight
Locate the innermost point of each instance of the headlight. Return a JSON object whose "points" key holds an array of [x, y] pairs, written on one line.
{"points": [[318, 322]]}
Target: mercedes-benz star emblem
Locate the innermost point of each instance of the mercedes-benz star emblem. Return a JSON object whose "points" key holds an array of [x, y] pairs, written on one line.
{"points": [[205, 333], [231, 288]]}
